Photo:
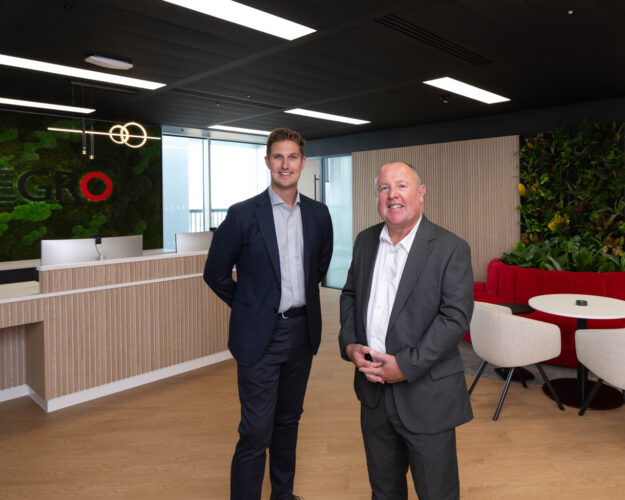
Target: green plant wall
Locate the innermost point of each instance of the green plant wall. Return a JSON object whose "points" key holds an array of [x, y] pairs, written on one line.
{"points": [[572, 186], [41, 196]]}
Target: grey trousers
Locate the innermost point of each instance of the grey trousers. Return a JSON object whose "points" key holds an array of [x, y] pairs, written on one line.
{"points": [[391, 449]]}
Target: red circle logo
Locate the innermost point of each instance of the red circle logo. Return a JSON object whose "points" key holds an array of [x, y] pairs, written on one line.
{"points": [[84, 186]]}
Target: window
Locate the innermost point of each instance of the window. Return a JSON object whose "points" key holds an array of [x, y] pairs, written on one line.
{"points": [[237, 172], [196, 200]]}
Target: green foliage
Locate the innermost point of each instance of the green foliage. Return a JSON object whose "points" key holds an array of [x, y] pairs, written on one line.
{"points": [[147, 153], [96, 222], [572, 207], [4, 161], [34, 211], [10, 134], [28, 212], [34, 236], [560, 253], [46, 141]]}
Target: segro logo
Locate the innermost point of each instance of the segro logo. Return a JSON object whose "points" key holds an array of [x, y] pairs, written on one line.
{"points": [[44, 185]]}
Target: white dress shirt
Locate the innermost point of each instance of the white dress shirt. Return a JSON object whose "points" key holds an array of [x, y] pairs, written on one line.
{"points": [[389, 266], [290, 236]]}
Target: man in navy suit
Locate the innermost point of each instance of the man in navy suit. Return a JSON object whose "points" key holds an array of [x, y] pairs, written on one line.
{"points": [[281, 244]]}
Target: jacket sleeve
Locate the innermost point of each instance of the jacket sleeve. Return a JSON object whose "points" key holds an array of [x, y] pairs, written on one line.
{"points": [[347, 333], [222, 256], [450, 323], [327, 244]]}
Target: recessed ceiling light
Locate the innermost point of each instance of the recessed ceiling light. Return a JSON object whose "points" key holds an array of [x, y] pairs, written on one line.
{"points": [[249, 17], [239, 129], [466, 90], [108, 62], [57, 69], [45, 105], [326, 116]]}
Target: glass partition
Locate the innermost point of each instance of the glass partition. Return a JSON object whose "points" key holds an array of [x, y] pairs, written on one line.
{"points": [[337, 195], [183, 187]]}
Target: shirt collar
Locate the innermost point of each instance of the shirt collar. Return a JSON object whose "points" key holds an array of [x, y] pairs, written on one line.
{"points": [[406, 242], [276, 200]]}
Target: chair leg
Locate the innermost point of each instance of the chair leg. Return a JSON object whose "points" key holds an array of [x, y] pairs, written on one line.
{"points": [[551, 389], [503, 394], [477, 376], [590, 397]]}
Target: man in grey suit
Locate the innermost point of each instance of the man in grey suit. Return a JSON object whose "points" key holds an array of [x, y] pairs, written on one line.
{"points": [[406, 304]]}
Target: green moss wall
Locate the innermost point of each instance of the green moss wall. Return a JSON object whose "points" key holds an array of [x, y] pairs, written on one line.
{"points": [[40, 192]]}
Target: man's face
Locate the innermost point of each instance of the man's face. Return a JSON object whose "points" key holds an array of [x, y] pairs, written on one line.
{"points": [[285, 163], [400, 198]]}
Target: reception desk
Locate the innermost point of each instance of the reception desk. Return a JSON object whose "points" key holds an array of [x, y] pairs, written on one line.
{"points": [[95, 328]]}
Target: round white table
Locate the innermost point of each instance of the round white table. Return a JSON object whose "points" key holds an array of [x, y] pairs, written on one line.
{"points": [[583, 307]]}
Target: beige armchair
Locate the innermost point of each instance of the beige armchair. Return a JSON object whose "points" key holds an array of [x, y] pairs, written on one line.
{"points": [[510, 341], [603, 353]]}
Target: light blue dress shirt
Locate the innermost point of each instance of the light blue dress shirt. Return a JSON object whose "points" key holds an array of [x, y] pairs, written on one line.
{"points": [[290, 235]]}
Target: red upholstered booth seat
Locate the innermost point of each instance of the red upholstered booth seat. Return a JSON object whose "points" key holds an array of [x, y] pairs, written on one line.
{"points": [[506, 283]]}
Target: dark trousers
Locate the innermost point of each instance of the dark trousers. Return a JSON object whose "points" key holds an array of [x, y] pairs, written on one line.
{"points": [[271, 393], [391, 449]]}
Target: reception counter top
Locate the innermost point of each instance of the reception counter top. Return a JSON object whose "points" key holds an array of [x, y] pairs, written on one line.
{"points": [[94, 328], [23, 289]]}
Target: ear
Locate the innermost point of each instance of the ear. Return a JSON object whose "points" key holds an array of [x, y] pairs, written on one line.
{"points": [[267, 161]]}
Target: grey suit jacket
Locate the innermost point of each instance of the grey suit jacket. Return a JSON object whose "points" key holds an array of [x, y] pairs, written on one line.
{"points": [[431, 314]]}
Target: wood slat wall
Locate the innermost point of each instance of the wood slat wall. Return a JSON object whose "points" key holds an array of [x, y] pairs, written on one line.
{"points": [[12, 357], [64, 343], [471, 190]]}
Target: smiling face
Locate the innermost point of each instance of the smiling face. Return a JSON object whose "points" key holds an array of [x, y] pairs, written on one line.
{"points": [[400, 198], [285, 162]]}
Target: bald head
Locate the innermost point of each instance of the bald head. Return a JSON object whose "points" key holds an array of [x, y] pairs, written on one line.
{"points": [[395, 163], [400, 196]]}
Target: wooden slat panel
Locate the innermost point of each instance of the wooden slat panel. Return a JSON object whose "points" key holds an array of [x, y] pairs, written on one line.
{"points": [[85, 339], [35, 358], [471, 190], [106, 341], [12, 357]]}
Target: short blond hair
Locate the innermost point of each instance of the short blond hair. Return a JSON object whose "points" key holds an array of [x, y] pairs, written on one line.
{"points": [[285, 134]]}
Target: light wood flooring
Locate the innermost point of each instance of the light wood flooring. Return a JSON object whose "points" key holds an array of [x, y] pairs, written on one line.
{"points": [[174, 439]]}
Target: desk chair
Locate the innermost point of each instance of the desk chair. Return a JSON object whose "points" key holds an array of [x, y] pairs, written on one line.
{"points": [[505, 340], [603, 353]]}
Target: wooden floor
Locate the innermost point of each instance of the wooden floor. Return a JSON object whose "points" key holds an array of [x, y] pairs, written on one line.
{"points": [[174, 440]]}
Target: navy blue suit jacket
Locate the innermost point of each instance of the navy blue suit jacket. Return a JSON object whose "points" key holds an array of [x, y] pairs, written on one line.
{"points": [[247, 239]]}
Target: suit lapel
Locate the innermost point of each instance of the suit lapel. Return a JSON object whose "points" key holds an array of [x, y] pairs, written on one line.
{"points": [[264, 217], [417, 257], [369, 255], [308, 232]]}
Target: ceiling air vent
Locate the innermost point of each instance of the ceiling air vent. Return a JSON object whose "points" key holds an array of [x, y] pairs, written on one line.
{"points": [[424, 36]]}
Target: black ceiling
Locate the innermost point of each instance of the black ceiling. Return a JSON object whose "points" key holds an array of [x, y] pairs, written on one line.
{"points": [[367, 60]]}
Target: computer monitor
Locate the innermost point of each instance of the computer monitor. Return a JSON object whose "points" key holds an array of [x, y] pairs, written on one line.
{"points": [[55, 252], [193, 242], [120, 247]]}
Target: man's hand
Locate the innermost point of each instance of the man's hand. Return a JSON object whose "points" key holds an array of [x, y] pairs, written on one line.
{"points": [[387, 369], [356, 353]]}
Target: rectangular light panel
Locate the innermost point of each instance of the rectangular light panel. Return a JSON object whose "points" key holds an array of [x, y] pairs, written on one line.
{"points": [[326, 116], [466, 90], [249, 17], [44, 105], [57, 69], [239, 129]]}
